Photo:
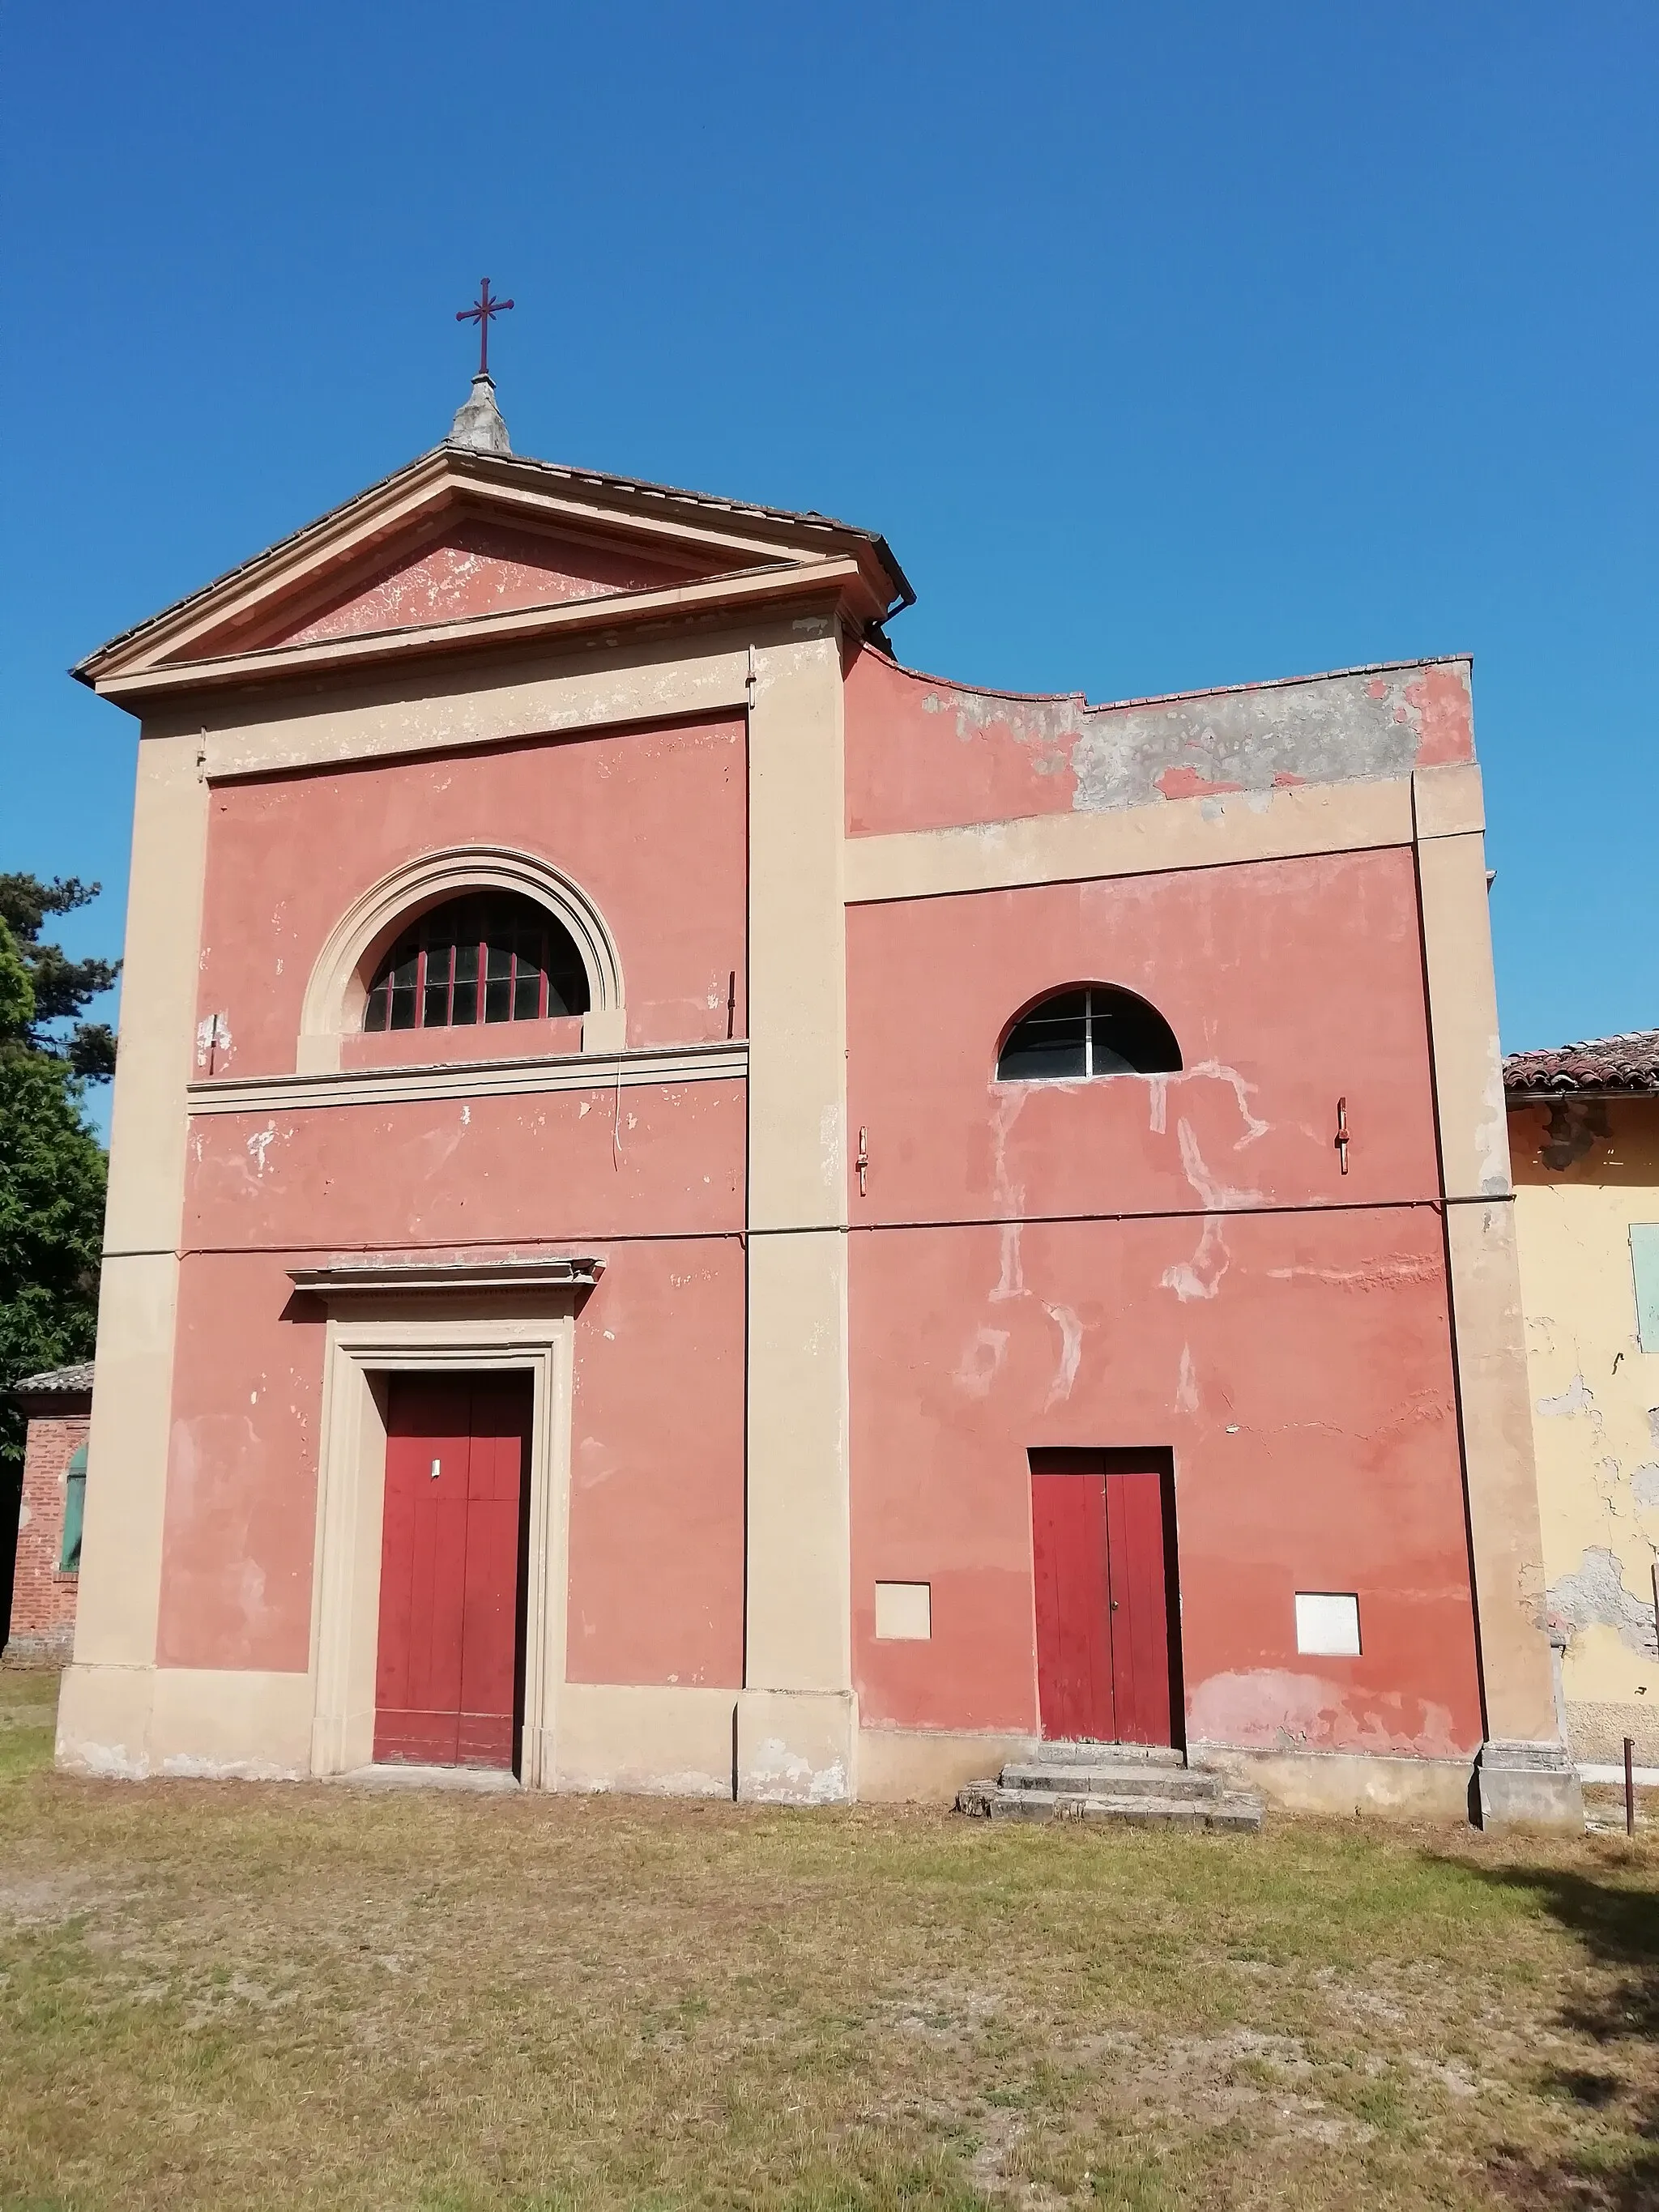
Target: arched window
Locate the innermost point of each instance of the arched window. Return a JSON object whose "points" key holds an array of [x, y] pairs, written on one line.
{"points": [[1096, 1031], [489, 957]]}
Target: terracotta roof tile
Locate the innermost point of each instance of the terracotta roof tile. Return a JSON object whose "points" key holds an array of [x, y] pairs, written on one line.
{"points": [[1630, 1062]]}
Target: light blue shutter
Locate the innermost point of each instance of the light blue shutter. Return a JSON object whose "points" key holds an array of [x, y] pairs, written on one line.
{"points": [[1644, 1261]]}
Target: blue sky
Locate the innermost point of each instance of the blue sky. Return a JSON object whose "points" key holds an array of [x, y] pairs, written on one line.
{"points": [[1169, 346]]}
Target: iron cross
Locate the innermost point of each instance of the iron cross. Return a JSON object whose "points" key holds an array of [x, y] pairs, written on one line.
{"points": [[481, 314]]}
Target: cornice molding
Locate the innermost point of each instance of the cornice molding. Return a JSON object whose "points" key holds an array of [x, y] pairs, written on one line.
{"points": [[353, 1278], [661, 1065], [836, 578]]}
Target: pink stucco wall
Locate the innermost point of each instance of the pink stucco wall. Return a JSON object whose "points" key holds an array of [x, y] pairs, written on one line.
{"points": [[651, 823], [650, 1176], [656, 1505], [1172, 1262]]}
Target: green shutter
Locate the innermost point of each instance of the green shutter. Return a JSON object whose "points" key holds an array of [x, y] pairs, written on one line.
{"points": [[75, 1507], [1644, 1261]]}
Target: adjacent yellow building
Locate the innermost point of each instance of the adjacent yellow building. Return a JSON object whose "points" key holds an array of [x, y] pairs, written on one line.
{"points": [[1584, 1140]]}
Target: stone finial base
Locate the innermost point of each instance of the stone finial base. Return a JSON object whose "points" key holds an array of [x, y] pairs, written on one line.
{"points": [[1526, 1785]]}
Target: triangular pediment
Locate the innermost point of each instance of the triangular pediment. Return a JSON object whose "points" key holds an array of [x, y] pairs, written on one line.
{"points": [[461, 549], [476, 567]]}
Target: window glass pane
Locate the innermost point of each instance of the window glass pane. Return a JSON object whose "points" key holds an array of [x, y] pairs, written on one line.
{"points": [[1030, 1058], [1131, 1037], [463, 1010], [436, 1011], [466, 962], [526, 991], [500, 958], [1048, 1044], [379, 1007], [498, 1001], [406, 965], [403, 1007]]}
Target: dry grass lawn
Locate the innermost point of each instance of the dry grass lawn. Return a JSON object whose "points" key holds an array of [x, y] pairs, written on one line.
{"points": [[231, 1995]]}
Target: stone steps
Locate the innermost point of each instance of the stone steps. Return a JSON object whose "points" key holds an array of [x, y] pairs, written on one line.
{"points": [[1137, 1785]]}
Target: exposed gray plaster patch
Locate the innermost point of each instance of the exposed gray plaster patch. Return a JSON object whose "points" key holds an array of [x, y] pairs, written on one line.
{"points": [[1336, 730], [1596, 1596], [1576, 1397], [1645, 1484]]}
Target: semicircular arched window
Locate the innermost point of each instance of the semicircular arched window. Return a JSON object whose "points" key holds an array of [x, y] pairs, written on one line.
{"points": [[1095, 1030], [487, 957]]}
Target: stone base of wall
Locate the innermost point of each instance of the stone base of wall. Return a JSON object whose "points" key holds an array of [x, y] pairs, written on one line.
{"points": [[54, 1648], [1597, 1733]]}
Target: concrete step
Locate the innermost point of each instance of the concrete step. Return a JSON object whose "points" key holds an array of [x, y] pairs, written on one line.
{"points": [[1231, 1811], [1089, 1752], [1109, 1777]]}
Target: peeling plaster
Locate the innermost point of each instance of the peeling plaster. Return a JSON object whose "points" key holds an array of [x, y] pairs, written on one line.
{"points": [[1596, 1596], [1576, 1397], [776, 1775], [980, 1362], [1577, 1127], [1274, 1708]]}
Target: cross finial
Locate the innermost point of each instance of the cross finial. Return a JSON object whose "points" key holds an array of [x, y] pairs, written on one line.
{"points": [[480, 314]]}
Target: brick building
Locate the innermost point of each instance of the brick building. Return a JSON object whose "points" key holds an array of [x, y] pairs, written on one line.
{"points": [[46, 1577]]}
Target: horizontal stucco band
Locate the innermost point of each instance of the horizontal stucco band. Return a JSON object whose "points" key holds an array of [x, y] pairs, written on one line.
{"points": [[1298, 823], [476, 1079]]}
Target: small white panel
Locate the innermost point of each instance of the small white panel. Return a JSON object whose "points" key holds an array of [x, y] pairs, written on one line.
{"points": [[1327, 1621], [904, 1611]]}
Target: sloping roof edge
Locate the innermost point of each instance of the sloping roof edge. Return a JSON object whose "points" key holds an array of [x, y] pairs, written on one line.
{"points": [[504, 468]]}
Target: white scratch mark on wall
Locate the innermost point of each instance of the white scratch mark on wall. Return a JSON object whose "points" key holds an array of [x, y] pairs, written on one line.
{"points": [[1214, 1193], [1200, 1276], [259, 1144], [1071, 1351], [1253, 1126], [1011, 1282], [1187, 1383]]}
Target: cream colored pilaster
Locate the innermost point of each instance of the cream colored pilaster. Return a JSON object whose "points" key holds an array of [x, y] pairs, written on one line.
{"points": [[1524, 1773], [796, 1721], [105, 1713]]}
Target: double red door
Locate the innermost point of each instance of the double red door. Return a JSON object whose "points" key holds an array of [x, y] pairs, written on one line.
{"points": [[448, 1675], [1102, 1548]]}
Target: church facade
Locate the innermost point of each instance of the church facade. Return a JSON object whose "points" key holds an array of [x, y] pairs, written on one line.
{"points": [[695, 1210]]}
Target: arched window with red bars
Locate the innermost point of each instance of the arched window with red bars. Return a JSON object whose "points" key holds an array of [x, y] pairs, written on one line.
{"points": [[489, 957]]}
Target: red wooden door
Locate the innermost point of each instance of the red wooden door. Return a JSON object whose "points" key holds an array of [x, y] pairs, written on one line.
{"points": [[447, 1687], [1074, 1645], [1137, 1574], [1100, 1552]]}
